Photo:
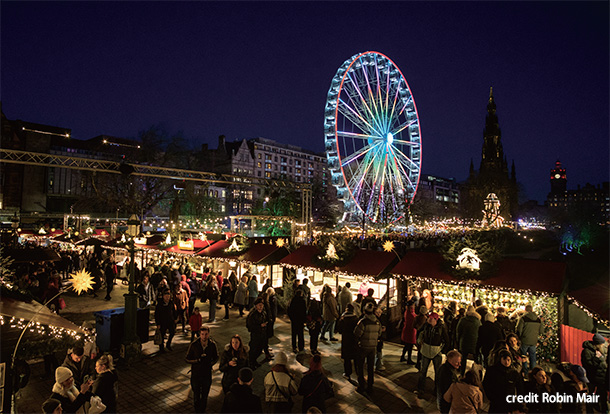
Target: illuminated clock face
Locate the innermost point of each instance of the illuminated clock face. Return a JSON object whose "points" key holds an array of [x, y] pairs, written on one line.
{"points": [[557, 176]]}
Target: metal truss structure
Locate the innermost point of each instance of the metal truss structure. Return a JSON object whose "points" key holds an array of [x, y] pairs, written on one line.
{"points": [[113, 167]]}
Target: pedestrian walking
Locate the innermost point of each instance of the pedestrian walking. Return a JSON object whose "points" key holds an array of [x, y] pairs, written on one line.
{"points": [[315, 386], [297, 312], [181, 303], [349, 348], [467, 332], [256, 322], [241, 295], [280, 386], [195, 322], [252, 291], [202, 354], [330, 314], [145, 293], [314, 324], [345, 297], [446, 375], [408, 335], [165, 318], [212, 293], [225, 297], [366, 333], [431, 340], [529, 328]]}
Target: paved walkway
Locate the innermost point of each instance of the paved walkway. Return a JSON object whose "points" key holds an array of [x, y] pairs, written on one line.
{"points": [[159, 383]]}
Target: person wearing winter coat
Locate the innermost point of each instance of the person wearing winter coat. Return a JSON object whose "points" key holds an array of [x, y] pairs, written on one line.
{"points": [[105, 383], [241, 295], [408, 335], [315, 386], [202, 354], [504, 322], [225, 296], [240, 398], [465, 396], [80, 365], [449, 315], [195, 322], [367, 333], [502, 380], [145, 293], [271, 307], [418, 324], [252, 292], [593, 360], [67, 394], [446, 375], [330, 314], [345, 297], [349, 350], [538, 384], [280, 386], [489, 334], [529, 328], [467, 333], [431, 340], [181, 304], [256, 322], [165, 318], [297, 312], [233, 358], [212, 293], [314, 324]]}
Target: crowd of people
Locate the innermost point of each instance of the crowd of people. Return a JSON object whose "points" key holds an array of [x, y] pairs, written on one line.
{"points": [[503, 351], [502, 347]]}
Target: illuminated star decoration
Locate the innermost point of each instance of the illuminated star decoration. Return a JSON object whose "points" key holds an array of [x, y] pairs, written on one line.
{"points": [[280, 242], [388, 246], [81, 281]]}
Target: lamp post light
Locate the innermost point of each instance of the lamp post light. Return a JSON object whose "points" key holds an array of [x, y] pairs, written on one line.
{"points": [[131, 343]]}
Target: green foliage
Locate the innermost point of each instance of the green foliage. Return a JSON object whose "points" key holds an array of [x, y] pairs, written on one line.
{"points": [[488, 245], [344, 248], [241, 242], [284, 299]]}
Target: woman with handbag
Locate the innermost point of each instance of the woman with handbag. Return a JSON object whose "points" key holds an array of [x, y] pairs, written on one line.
{"points": [[105, 384], [315, 386], [280, 386]]}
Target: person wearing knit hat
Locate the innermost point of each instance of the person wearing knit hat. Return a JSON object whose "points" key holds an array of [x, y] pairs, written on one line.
{"points": [[467, 334], [280, 386], [64, 391], [367, 333], [52, 406], [593, 360]]}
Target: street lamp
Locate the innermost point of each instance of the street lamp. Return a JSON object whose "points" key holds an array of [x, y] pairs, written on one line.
{"points": [[131, 343]]}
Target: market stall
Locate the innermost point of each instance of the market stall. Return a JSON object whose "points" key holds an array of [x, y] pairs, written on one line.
{"points": [[516, 282]]}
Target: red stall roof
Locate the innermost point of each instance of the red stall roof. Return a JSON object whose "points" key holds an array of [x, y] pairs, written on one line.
{"points": [[595, 298], [259, 251], [521, 274], [198, 245], [369, 262], [215, 250], [301, 257]]}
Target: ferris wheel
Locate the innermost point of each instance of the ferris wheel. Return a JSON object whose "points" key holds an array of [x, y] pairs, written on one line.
{"points": [[372, 138]]}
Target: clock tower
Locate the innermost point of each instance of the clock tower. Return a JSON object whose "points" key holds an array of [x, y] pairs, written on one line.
{"points": [[558, 179]]}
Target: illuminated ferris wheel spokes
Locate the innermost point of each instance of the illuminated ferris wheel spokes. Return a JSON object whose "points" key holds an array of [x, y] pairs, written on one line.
{"points": [[372, 137]]}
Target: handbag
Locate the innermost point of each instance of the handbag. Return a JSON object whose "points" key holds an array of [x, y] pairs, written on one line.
{"points": [[62, 303], [96, 405], [158, 340]]}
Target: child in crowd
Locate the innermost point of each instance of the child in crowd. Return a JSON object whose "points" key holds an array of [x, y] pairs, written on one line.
{"points": [[195, 321]]}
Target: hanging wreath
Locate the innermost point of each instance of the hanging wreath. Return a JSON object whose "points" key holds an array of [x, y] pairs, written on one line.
{"points": [[238, 244], [333, 252], [473, 257]]}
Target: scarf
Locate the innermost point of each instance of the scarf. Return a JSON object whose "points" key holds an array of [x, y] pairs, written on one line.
{"points": [[70, 393]]}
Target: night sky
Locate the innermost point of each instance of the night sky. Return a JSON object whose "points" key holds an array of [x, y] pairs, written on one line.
{"points": [[258, 69]]}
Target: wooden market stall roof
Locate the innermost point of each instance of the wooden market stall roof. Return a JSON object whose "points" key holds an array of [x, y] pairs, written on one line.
{"points": [[521, 274], [215, 250], [268, 253], [369, 263], [595, 298], [36, 254], [301, 257]]}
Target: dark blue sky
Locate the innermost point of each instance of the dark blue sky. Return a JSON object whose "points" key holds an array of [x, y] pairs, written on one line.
{"points": [[263, 69]]}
